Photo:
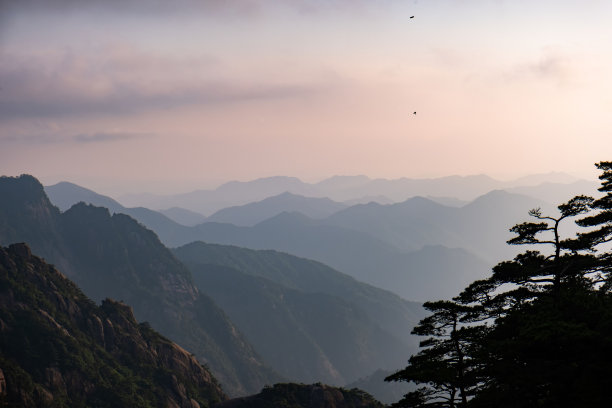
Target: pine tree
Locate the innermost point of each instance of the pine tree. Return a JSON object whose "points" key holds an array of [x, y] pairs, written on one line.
{"points": [[537, 332], [444, 365]]}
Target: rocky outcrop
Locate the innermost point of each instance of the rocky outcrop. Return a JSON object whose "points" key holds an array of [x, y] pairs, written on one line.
{"points": [[57, 348], [304, 396]]}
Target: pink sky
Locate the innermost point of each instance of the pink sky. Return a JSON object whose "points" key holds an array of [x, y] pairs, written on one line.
{"points": [[143, 97]]}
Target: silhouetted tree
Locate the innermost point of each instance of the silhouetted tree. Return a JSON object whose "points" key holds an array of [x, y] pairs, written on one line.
{"points": [[537, 332], [444, 364]]}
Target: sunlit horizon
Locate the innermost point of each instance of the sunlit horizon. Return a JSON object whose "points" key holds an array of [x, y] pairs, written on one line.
{"points": [[172, 99]]}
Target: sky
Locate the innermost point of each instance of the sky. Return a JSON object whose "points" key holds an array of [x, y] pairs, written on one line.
{"points": [[133, 96]]}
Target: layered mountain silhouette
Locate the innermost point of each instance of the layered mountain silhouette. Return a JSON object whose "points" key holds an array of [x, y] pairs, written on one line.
{"points": [[480, 226], [58, 349], [418, 248], [338, 188], [183, 216], [254, 213], [114, 256], [429, 272], [310, 322]]}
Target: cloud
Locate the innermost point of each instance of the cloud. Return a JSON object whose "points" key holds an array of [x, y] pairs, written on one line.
{"points": [[240, 9], [120, 82], [43, 138], [106, 137], [551, 66]]}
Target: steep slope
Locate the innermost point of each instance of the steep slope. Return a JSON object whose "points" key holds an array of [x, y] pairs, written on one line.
{"points": [[58, 349], [253, 213], [391, 312], [114, 256], [305, 336]]}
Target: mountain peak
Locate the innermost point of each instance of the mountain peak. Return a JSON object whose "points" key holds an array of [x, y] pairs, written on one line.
{"points": [[64, 194], [287, 217], [24, 187]]}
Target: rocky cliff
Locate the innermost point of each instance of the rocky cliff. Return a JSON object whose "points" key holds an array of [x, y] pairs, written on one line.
{"points": [[57, 348]]}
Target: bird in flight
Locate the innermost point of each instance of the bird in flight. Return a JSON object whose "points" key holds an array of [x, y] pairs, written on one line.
{"points": [[411, 16], [414, 113]]}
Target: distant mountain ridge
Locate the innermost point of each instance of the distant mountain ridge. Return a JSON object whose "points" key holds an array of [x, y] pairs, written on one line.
{"points": [[410, 271], [338, 188], [256, 212], [412, 275], [480, 227], [390, 239]]}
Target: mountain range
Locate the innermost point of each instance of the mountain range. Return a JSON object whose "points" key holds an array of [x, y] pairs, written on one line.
{"points": [[253, 213], [354, 189], [418, 248], [414, 275], [431, 272]]}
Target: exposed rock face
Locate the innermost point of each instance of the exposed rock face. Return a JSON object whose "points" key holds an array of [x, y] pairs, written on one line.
{"points": [[304, 396], [57, 348]]}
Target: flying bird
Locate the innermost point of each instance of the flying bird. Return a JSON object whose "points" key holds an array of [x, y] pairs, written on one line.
{"points": [[411, 16], [414, 113]]}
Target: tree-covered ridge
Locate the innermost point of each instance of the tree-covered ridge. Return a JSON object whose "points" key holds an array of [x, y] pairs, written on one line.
{"points": [[302, 396], [58, 349], [538, 331]]}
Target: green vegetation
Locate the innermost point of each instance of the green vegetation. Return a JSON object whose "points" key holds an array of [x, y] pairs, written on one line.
{"points": [[537, 332], [58, 349], [301, 395]]}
